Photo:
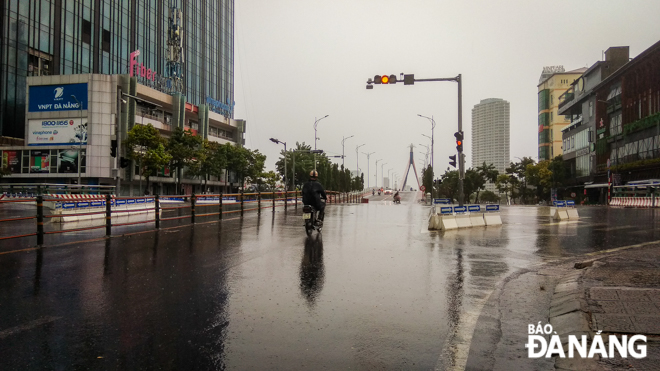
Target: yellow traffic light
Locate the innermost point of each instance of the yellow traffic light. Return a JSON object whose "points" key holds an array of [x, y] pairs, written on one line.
{"points": [[385, 79]]}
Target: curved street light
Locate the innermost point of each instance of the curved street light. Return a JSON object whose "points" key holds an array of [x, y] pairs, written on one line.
{"points": [[279, 142], [432, 130], [342, 149], [316, 122], [368, 155], [380, 159], [80, 143], [357, 159]]}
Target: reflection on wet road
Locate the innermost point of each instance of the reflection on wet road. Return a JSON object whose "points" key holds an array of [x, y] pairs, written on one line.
{"points": [[376, 290]]}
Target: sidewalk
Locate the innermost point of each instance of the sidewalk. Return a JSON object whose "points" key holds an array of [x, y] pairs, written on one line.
{"points": [[616, 292]]}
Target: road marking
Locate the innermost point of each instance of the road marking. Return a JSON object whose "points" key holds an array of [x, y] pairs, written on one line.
{"points": [[27, 326]]}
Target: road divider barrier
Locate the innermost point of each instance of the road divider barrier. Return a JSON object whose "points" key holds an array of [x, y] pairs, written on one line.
{"points": [[63, 209], [564, 210], [453, 217]]}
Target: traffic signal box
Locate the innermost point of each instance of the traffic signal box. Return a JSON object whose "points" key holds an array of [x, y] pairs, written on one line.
{"points": [[459, 141], [391, 79], [453, 160]]}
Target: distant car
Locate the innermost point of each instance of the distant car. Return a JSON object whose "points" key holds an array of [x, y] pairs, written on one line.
{"points": [[388, 191]]}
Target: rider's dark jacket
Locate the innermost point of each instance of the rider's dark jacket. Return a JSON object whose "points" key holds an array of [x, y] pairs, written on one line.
{"points": [[312, 193]]}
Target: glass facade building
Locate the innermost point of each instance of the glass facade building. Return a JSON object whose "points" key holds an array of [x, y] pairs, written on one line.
{"points": [[64, 37], [491, 135]]}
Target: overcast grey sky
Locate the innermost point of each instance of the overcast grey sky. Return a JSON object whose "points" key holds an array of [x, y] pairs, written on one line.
{"points": [[300, 60]]}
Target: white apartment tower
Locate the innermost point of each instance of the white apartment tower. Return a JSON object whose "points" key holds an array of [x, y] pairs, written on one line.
{"points": [[490, 135]]}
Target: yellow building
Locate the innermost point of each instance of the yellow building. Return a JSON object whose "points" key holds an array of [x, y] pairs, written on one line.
{"points": [[554, 82]]}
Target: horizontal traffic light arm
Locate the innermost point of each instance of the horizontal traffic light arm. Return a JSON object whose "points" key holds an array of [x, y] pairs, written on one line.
{"points": [[408, 79]]}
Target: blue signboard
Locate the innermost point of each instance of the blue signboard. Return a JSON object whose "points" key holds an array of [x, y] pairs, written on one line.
{"points": [[460, 209], [446, 210], [46, 98], [570, 203], [559, 203], [442, 201], [492, 207], [474, 208]]}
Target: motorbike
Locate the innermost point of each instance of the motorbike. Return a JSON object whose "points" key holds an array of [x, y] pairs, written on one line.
{"points": [[397, 199], [310, 216]]}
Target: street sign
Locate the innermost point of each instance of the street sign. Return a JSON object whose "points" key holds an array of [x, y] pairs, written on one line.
{"points": [[460, 209], [422, 188], [446, 210]]}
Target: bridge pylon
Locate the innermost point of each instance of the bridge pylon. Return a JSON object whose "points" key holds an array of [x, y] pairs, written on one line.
{"points": [[411, 162]]}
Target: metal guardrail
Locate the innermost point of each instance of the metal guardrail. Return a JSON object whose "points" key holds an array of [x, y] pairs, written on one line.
{"points": [[254, 201]]}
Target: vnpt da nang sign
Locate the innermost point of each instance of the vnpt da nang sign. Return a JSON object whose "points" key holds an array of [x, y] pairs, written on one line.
{"points": [[50, 132], [45, 98]]}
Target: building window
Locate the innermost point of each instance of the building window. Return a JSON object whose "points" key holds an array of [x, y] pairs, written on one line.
{"points": [[86, 31], [106, 41], [39, 63]]}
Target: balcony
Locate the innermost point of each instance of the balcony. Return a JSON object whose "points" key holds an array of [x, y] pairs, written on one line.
{"points": [[566, 98]]}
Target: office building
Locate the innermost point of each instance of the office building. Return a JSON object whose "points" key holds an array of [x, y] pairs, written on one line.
{"points": [[164, 62], [554, 82], [490, 135]]}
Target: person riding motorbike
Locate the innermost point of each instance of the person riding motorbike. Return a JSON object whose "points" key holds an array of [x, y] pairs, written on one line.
{"points": [[397, 197], [312, 193]]}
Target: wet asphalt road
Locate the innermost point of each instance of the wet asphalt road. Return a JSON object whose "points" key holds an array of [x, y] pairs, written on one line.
{"points": [[376, 291]]}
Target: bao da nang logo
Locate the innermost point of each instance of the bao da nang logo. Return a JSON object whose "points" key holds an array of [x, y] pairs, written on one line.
{"points": [[538, 346], [59, 92]]}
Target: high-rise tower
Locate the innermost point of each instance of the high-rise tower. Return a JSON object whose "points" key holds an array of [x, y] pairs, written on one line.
{"points": [[490, 131]]}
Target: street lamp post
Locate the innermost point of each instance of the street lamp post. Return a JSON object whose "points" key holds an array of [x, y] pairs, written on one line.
{"points": [[368, 155], [389, 180], [342, 150], [427, 153], [80, 141], [286, 185], [382, 174], [380, 159], [357, 160], [316, 122], [432, 167]]}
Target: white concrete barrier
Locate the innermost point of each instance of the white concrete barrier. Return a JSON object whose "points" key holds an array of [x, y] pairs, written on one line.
{"points": [[559, 214], [463, 220], [477, 219], [572, 213], [492, 219], [434, 222], [449, 222]]}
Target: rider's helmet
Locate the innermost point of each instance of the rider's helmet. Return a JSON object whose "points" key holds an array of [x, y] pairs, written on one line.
{"points": [[313, 175]]}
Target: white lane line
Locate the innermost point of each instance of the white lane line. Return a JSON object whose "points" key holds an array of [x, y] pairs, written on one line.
{"points": [[28, 326]]}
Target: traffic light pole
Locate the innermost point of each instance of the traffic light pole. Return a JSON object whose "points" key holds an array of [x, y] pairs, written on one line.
{"points": [[409, 79], [461, 160]]}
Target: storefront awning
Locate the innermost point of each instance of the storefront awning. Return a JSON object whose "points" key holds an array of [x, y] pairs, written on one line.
{"points": [[599, 185]]}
